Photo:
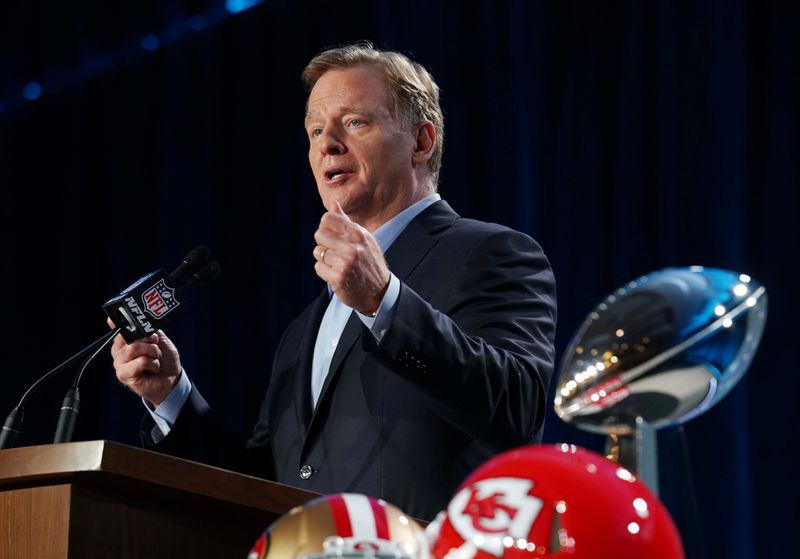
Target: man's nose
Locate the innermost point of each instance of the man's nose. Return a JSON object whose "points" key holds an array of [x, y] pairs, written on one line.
{"points": [[331, 143]]}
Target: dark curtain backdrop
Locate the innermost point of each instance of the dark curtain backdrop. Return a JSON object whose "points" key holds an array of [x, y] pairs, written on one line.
{"points": [[625, 136]]}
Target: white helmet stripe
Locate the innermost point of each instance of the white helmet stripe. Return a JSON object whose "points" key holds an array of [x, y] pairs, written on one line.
{"points": [[362, 519]]}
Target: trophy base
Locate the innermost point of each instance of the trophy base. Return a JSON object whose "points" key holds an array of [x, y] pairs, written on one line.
{"points": [[636, 451]]}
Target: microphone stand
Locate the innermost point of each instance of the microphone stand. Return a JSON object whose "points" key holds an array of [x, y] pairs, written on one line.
{"points": [[203, 270], [13, 423], [72, 401]]}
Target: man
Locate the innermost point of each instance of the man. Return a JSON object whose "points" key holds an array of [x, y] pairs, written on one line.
{"points": [[429, 350]]}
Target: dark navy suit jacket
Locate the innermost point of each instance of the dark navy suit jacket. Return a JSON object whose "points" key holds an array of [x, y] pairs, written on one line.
{"points": [[461, 374]]}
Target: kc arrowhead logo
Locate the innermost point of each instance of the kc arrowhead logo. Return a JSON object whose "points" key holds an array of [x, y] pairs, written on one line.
{"points": [[489, 510]]}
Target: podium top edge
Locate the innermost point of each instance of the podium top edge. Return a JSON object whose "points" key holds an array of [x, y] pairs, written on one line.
{"points": [[67, 462]]}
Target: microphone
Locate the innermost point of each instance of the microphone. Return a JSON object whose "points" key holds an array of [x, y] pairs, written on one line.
{"points": [[159, 297], [156, 298], [13, 424], [196, 258], [72, 401], [208, 272]]}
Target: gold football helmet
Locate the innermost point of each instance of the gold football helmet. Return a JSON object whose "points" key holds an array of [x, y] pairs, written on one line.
{"points": [[345, 525]]}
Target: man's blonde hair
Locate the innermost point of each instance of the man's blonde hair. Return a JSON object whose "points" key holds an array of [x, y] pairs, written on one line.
{"points": [[413, 91]]}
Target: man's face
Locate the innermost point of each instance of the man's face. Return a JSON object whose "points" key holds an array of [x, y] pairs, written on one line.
{"points": [[360, 155]]}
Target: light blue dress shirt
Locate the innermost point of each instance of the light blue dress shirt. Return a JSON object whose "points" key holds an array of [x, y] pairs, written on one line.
{"points": [[337, 313], [330, 329]]}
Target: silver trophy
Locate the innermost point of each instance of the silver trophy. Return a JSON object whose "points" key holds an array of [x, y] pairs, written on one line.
{"points": [[657, 352]]}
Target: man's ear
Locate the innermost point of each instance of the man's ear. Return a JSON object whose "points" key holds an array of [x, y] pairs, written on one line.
{"points": [[425, 142]]}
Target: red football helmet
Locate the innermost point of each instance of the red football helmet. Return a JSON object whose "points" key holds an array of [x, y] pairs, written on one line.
{"points": [[555, 501], [347, 525]]}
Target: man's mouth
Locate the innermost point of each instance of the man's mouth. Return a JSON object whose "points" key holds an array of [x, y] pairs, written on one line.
{"points": [[336, 175]]}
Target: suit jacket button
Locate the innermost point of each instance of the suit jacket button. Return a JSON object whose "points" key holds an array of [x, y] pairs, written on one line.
{"points": [[306, 472]]}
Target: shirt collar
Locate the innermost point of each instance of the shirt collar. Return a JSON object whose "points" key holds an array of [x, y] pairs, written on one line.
{"points": [[389, 231]]}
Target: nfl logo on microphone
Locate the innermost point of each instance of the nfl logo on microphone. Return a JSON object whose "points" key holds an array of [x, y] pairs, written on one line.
{"points": [[159, 299]]}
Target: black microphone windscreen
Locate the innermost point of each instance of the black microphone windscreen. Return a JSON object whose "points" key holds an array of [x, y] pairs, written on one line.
{"points": [[198, 255], [193, 261], [211, 271], [155, 299]]}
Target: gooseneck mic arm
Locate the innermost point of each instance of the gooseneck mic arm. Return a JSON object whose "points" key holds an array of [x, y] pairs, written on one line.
{"points": [[13, 423], [139, 311], [72, 401], [157, 298]]}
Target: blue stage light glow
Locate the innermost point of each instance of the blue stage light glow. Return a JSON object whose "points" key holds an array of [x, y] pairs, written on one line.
{"points": [[196, 23], [236, 6], [32, 91], [96, 63], [149, 42]]}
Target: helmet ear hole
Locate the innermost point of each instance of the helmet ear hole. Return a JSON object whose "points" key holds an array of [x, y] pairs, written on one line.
{"points": [[343, 526], [553, 501]]}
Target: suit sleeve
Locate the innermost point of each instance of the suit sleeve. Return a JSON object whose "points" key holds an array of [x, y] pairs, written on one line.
{"points": [[200, 435], [486, 354]]}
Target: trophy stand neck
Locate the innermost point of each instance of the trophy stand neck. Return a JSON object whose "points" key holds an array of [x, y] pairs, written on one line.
{"points": [[637, 452]]}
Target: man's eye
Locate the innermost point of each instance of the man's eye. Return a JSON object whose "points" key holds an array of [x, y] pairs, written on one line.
{"points": [[356, 122], [316, 132]]}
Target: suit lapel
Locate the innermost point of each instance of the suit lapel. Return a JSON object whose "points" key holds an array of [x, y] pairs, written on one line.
{"points": [[418, 238], [302, 381], [407, 251]]}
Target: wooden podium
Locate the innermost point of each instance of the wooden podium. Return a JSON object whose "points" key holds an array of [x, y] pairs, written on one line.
{"points": [[97, 499]]}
